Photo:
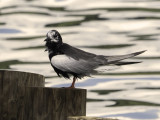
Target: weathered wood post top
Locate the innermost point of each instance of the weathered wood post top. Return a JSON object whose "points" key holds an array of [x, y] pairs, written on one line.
{"points": [[12, 89], [24, 97]]}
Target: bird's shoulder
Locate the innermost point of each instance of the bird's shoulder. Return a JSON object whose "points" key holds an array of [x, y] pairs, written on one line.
{"points": [[75, 52]]}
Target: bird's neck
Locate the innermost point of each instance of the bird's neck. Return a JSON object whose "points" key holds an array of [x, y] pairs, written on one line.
{"points": [[51, 53], [54, 50]]}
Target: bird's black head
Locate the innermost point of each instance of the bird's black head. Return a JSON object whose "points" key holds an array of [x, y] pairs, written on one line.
{"points": [[53, 40]]}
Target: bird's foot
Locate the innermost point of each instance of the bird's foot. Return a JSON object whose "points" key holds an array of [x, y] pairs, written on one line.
{"points": [[72, 85]]}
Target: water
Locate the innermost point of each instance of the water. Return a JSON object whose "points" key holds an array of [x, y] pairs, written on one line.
{"points": [[99, 26]]}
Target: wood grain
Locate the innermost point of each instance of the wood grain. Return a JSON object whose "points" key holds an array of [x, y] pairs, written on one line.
{"points": [[12, 88], [54, 103]]}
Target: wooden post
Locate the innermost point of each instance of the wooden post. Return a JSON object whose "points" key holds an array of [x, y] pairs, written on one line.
{"points": [[12, 88], [24, 97], [88, 118], [54, 103]]}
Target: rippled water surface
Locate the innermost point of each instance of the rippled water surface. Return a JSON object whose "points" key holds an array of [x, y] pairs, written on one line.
{"points": [[99, 26]]}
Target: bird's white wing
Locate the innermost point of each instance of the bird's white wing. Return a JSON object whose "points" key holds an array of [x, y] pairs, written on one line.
{"points": [[86, 66], [69, 64]]}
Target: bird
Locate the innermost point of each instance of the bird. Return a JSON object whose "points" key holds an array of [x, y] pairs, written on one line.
{"points": [[68, 61]]}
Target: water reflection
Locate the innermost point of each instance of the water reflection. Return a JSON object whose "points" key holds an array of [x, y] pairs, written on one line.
{"points": [[9, 31], [102, 27], [147, 115], [87, 18]]}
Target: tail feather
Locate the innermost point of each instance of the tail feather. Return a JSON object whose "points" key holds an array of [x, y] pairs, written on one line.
{"points": [[125, 63], [114, 59]]}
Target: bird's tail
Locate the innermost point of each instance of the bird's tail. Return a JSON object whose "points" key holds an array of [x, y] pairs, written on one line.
{"points": [[125, 63], [117, 58]]}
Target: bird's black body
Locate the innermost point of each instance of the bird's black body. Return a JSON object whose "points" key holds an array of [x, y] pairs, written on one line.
{"points": [[70, 61]]}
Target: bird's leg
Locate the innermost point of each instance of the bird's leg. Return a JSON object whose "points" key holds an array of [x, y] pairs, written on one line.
{"points": [[72, 85]]}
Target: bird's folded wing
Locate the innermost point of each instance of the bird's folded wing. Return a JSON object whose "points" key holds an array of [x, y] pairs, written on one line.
{"points": [[75, 52], [69, 64]]}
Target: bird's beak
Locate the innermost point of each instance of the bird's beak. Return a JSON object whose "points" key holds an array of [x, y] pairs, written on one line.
{"points": [[45, 40], [45, 50]]}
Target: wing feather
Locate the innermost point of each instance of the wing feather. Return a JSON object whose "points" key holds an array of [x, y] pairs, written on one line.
{"points": [[75, 52], [114, 59], [69, 64]]}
